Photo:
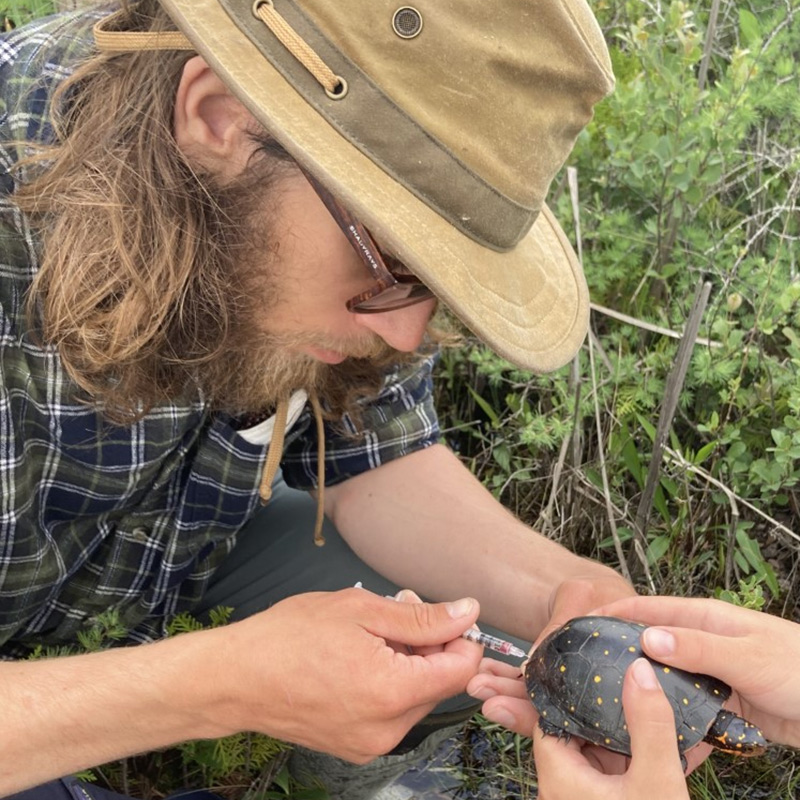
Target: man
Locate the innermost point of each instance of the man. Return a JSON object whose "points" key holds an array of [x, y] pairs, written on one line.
{"points": [[193, 296]]}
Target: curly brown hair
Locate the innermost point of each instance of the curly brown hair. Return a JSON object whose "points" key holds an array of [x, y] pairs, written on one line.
{"points": [[146, 281]]}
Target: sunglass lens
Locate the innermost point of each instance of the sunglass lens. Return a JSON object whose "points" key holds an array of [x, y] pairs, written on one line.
{"points": [[398, 296]]}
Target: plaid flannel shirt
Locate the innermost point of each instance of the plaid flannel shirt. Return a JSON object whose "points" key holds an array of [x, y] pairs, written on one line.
{"points": [[95, 516]]}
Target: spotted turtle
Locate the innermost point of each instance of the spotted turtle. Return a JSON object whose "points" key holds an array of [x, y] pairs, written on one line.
{"points": [[574, 679]]}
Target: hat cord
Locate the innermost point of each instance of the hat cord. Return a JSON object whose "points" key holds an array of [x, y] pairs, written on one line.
{"points": [[275, 452], [122, 41], [299, 48]]}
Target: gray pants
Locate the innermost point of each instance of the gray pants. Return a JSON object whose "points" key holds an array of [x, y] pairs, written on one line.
{"points": [[275, 557]]}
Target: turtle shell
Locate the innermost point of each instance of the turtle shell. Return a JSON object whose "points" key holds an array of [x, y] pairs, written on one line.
{"points": [[575, 676]]}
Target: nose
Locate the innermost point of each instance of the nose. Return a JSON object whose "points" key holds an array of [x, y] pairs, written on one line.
{"points": [[402, 329]]}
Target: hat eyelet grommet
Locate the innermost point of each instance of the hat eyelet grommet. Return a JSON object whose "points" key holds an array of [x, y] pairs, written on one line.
{"points": [[340, 91], [407, 22]]}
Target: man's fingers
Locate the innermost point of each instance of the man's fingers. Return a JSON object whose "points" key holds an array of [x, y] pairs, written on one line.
{"points": [[655, 760], [517, 715], [413, 623], [569, 599], [483, 686], [501, 669]]}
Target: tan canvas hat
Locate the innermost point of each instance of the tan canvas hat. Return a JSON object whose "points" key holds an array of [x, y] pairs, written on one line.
{"points": [[441, 126]]}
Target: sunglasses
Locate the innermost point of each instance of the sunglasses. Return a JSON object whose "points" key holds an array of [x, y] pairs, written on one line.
{"points": [[395, 287]]}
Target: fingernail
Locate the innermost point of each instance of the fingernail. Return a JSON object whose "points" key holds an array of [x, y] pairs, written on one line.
{"points": [[659, 642], [408, 596], [460, 608], [643, 674]]}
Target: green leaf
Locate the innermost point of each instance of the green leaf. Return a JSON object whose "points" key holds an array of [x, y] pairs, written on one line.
{"points": [[502, 455], [631, 457], [749, 27], [657, 548], [704, 452], [487, 409]]}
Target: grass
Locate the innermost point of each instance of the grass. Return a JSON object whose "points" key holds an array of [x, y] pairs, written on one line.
{"points": [[17, 13]]}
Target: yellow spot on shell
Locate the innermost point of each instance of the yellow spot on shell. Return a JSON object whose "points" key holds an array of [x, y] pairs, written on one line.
{"points": [[631, 649], [697, 686], [680, 737], [599, 701], [596, 633], [605, 652], [597, 679], [666, 669], [616, 699], [607, 740], [572, 708], [562, 668], [566, 723], [685, 701]]}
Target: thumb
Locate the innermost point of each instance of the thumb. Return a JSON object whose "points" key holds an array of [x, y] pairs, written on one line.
{"points": [[725, 657], [655, 760], [419, 624]]}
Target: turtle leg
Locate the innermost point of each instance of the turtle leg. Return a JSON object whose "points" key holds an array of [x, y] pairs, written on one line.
{"points": [[552, 722], [732, 734]]}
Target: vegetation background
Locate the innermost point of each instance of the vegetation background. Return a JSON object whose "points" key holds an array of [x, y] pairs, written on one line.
{"points": [[670, 448]]}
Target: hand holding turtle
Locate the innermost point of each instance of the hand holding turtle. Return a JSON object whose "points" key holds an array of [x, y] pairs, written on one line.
{"points": [[566, 770], [501, 685], [756, 653]]}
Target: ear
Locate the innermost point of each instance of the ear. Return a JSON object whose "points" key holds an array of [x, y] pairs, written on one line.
{"points": [[210, 123]]}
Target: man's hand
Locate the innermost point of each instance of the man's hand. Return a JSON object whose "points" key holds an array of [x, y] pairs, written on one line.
{"points": [[503, 689], [347, 673]]}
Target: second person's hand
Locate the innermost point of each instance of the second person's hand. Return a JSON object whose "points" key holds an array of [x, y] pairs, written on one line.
{"points": [[569, 770], [756, 653]]}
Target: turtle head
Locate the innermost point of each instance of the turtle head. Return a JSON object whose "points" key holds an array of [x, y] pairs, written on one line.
{"points": [[733, 734]]}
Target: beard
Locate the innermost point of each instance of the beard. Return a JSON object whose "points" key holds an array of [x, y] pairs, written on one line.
{"points": [[250, 370], [254, 377]]}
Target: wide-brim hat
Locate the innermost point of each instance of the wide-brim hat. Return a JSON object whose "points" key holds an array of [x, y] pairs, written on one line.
{"points": [[442, 132]]}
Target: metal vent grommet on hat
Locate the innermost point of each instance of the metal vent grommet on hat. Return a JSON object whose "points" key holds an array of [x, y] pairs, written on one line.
{"points": [[407, 22]]}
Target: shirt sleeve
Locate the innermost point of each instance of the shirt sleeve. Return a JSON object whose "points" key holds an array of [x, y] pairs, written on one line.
{"points": [[399, 421]]}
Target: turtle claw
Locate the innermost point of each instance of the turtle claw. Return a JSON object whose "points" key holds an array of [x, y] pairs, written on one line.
{"points": [[549, 729]]}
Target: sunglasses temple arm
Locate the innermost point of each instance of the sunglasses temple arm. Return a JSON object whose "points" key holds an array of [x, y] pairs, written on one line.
{"points": [[353, 229]]}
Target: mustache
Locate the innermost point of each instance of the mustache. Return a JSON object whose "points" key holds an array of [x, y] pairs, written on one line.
{"points": [[362, 348]]}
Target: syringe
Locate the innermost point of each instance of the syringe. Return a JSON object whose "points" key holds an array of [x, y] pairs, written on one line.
{"points": [[493, 643], [474, 635]]}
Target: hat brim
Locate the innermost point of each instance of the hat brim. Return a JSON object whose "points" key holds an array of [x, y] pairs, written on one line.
{"points": [[530, 304]]}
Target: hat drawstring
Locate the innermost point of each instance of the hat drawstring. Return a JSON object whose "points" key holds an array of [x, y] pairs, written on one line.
{"points": [[319, 538], [275, 452], [112, 41], [299, 48]]}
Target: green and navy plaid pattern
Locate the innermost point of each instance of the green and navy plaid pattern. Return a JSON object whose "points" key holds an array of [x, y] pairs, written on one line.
{"points": [[95, 516]]}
